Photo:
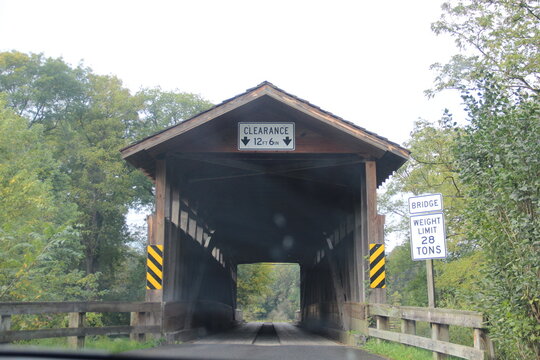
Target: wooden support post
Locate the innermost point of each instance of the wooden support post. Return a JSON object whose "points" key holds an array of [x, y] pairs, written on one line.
{"points": [[5, 322], [439, 332], [374, 223], [482, 342], [137, 319], [358, 274], [383, 323], [76, 320], [408, 326]]}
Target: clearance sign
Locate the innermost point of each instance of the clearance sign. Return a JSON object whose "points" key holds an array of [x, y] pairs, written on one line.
{"points": [[264, 136], [428, 237]]}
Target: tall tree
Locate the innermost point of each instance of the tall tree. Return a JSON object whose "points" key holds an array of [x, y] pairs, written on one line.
{"points": [[497, 37], [498, 156], [39, 248], [86, 119]]}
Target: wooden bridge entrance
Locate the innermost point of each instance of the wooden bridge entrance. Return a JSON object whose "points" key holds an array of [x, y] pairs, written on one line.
{"points": [[264, 176]]}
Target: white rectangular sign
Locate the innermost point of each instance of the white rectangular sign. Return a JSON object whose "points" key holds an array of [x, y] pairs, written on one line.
{"points": [[263, 136], [425, 203], [428, 237]]}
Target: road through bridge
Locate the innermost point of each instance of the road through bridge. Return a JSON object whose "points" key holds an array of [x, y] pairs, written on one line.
{"points": [[263, 177], [262, 341]]}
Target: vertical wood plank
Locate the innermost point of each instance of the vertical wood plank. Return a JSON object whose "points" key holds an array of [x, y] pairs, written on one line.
{"points": [[357, 262], [408, 326], [383, 323], [374, 223], [483, 342], [161, 195], [76, 320], [440, 332], [137, 319], [5, 322]]}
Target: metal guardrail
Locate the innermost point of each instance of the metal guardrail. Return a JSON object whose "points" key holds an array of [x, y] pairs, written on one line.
{"points": [[439, 320], [140, 320]]}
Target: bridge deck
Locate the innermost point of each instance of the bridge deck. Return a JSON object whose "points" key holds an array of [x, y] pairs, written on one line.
{"points": [[261, 341]]}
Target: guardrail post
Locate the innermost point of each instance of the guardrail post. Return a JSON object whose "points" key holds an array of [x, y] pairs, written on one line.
{"points": [[5, 322], [76, 320], [482, 342], [408, 326], [440, 332], [383, 323], [137, 319]]}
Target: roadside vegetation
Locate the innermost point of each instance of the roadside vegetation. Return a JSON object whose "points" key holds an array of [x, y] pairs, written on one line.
{"points": [[102, 343]]}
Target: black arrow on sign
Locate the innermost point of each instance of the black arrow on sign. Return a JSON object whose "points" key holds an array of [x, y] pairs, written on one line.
{"points": [[287, 140], [245, 140]]}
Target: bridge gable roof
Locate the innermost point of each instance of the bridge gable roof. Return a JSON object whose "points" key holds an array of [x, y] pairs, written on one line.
{"points": [[214, 131]]}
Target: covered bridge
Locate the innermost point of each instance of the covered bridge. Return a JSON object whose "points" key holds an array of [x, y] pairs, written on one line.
{"points": [[263, 177]]}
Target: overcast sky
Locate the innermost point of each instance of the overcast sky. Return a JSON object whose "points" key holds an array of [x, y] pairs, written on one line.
{"points": [[366, 61]]}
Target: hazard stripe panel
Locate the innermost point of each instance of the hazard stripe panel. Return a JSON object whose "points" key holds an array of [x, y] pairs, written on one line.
{"points": [[377, 274], [154, 270]]}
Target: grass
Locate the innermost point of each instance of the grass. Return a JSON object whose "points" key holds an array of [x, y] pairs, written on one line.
{"points": [[104, 343], [395, 351]]}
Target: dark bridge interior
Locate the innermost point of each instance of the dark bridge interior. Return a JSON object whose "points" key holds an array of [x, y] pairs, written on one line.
{"points": [[218, 206], [271, 208]]}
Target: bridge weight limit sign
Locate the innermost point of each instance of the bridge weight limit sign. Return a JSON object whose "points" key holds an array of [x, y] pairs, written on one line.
{"points": [[428, 237]]}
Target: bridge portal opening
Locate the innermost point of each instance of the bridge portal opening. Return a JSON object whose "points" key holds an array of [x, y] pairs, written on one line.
{"points": [[263, 177], [268, 291]]}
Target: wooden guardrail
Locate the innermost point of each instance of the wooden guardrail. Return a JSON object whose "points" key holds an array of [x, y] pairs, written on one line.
{"points": [[141, 320], [440, 320]]}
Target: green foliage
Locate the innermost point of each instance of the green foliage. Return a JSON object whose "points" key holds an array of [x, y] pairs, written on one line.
{"points": [[499, 37], [39, 247], [64, 189], [498, 154], [396, 351], [406, 278], [253, 287], [162, 109], [432, 169], [269, 291], [103, 343]]}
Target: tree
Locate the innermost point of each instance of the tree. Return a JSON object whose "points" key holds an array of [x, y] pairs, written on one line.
{"points": [[498, 156], [39, 248], [431, 169], [499, 37], [162, 109], [253, 287], [86, 119], [44, 90]]}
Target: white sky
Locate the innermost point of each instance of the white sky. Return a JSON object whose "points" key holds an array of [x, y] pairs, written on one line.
{"points": [[366, 61]]}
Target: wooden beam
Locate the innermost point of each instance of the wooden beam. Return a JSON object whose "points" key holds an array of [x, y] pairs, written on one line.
{"points": [[10, 336], [471, 319], [461, 351], [18, 308], [76, 320]]}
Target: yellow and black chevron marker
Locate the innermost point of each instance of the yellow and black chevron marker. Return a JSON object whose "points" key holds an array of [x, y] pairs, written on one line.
{"points": [[377, 274], [154, 263]]}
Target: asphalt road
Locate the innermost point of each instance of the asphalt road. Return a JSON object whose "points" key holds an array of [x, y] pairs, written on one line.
{"points": [[268, 341]]}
